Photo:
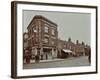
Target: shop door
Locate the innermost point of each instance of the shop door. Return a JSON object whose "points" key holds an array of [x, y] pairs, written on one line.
{"points": [[49, 55]]}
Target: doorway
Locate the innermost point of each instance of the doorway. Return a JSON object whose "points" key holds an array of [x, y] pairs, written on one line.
{"points": [[47, 53]]}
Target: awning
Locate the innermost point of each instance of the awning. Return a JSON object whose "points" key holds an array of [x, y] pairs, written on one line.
{"points": [[67, 50]]}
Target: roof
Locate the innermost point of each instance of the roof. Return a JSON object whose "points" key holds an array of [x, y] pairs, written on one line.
{"points": [[41, 17]]}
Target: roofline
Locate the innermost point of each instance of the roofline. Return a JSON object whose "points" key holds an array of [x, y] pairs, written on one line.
{"points": [[41, 17]]}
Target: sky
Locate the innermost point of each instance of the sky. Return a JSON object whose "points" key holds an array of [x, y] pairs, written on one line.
{"points": [[74, 25]]}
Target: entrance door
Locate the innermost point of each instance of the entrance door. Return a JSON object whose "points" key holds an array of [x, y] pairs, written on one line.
{"points": [[48, 53]]}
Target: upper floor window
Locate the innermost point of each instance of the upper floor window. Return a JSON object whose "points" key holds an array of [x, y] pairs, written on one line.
{"points": [[46, 40], [53, 32], [34, 29], [53, 42], [46, 29], [64, 45], [29, 33]]}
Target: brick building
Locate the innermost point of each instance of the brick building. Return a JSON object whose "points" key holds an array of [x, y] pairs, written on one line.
{"points": [[72, 49], [42, 37], [79, 48], [66, 48]]}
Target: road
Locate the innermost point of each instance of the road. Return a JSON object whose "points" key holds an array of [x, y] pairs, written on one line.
{"points": [[70, 62]]}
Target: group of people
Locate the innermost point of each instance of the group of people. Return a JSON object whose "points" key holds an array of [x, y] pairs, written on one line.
{"points": [[28, 57]]}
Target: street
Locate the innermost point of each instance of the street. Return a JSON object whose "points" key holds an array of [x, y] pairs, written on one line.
{"points": [[69, 62]]}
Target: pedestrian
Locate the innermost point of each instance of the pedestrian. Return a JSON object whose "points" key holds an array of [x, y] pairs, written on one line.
{"points": [[27, 56], [37, 58], [42, 57], [89, 57]]}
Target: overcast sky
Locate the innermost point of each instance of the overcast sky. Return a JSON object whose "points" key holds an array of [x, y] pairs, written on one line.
{"points": [[74, 25]]}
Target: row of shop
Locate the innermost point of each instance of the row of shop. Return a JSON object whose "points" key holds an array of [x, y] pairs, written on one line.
{"points": [[47, 53]]}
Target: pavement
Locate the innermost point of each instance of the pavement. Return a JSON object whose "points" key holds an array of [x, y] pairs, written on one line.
{"points": [[44, 61], [52, 60], [69, 62]]}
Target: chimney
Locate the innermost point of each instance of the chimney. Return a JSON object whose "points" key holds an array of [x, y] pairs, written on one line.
{"points": [[77, 42]]}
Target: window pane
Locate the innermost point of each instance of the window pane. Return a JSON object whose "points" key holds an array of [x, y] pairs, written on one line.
{"points": [[53, 42], [53, 32], [46, 40], [46, 29]]}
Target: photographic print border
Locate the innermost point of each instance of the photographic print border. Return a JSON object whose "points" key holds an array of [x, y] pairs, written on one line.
{"points": [[14, 37]]}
